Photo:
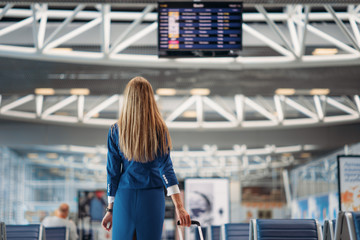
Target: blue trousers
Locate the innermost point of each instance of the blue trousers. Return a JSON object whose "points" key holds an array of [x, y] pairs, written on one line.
{"points": [[138, 210]]}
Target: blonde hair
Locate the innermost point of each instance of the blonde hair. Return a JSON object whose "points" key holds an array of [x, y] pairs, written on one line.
{"points": [[143, 133]]}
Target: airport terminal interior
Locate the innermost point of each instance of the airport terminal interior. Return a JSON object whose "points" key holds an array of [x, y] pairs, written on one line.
{"points": [[261, 99]]}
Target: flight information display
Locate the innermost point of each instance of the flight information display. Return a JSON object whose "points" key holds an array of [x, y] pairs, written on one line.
{"points": [[199, 29]]}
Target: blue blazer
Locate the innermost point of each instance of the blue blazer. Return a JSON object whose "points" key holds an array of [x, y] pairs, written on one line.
{"points": [[122, 173]]}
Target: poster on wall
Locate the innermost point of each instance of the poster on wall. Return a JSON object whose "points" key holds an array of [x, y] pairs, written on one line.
{"points": [[207, 200], [300, 209], [349, 182], [333, 205], [320, 207]]}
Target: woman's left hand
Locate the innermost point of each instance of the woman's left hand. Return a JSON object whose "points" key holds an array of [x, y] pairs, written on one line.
{"points": [[107, 221]]}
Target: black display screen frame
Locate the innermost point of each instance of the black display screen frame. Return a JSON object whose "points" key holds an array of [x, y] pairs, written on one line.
{"points": [[211, 52], [339, 157]]}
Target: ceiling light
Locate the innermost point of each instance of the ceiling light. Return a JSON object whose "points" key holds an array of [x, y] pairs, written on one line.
{"points": [[52, 155], [79, 91], [54, 170], [305, 155], [189, 114], [166, 91], [285, 91], [325, 51], [319, 91], [44, 91], [90, 155], [200, 91], [62, 114], [62, 49], [33, 155]]}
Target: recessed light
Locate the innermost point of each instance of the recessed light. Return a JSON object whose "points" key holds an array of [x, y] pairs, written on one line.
{"points": [[200, 91], [62, 49], [319, 91], [51, 155], [62, 114], [44, 91], [189, 114], [305, 155], [285, 91], [325, 51], [166, 91], [79, 91], [33, 155], [90, 155]]}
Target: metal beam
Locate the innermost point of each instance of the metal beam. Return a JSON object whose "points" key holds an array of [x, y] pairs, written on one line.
{"points": [[131, 27], [39, 99], [80, 107], [101, 107], [65, 23], [304, 32], [330, 39], [36, 16], [199, 110], [59, 105], [134, 38], [292, 15], [73, 33], [260, 109], [319, 109], [355, 28], [275, 28], [16, 26], [17, 103], [267, 40], [5, 9], [212, 104], [279, 108], [300, 108], [357, 101], [239, 107], [342, 27], [105, 27], [180, 109], [42, 27], [241, 112], [341, 106]]}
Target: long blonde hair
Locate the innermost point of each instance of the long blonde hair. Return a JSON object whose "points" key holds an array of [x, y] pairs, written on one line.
{"points": [[143, 133]]}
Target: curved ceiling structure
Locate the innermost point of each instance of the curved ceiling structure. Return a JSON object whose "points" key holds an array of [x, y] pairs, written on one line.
{"points": [[105, 34], [238, 162], [190, 112]]}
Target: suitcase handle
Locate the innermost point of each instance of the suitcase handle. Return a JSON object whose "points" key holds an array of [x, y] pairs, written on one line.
{"points": [[193, 222]]}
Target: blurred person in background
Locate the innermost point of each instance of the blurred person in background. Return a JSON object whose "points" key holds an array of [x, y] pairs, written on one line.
{"points": [[60, 219], [139, 167]]}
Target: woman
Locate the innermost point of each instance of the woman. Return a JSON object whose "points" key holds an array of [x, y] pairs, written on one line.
{"points": [[138, 166]]}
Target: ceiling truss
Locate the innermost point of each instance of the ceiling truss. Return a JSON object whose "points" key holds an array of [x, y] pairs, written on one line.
{"points": [[189, 112], [237, 162], [291, 27]]}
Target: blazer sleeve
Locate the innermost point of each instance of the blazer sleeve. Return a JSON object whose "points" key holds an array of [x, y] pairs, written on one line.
{"points": [[114, 161], [167, 172]]}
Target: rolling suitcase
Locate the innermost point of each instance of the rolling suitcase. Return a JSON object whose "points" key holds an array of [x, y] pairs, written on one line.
{"points": [[193, 222]]}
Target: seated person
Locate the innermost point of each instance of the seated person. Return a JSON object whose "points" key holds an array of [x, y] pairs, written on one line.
{"points": [[61, 220]]}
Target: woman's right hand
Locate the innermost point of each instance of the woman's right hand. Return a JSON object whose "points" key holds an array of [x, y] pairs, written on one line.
{"points": [[183, 216], [107, 221]]}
